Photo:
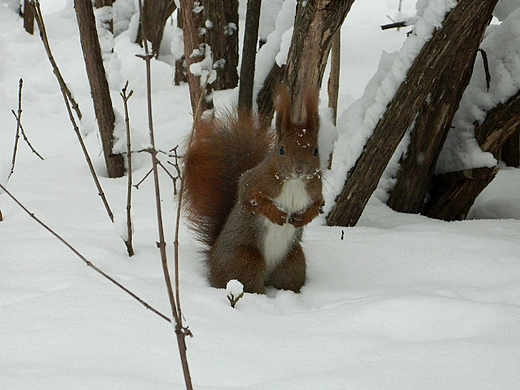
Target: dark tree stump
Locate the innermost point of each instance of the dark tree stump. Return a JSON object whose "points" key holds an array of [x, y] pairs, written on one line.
{"points": [[452, 194]]}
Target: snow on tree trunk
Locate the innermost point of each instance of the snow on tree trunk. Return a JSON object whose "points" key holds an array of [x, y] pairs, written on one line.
{"points": [[98, 85], [432, 89], [221, 34], [462, 33], [199, 61]]}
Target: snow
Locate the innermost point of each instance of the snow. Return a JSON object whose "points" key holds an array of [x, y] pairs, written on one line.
{"points": [[397, 302]]}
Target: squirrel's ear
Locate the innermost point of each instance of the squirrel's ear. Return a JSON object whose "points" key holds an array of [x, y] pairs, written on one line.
{"points": [[282, 105], [311, 109]]}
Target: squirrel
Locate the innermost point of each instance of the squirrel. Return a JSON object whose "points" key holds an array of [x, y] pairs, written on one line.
{"points": [[248, 193]]}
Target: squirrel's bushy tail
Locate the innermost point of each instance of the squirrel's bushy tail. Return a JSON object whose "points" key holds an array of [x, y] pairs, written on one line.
{"points": [[220, 151]]}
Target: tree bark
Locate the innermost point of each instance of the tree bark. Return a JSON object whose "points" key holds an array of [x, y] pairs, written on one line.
{"points": [[153, 19], [428, 78], [452, 194], [98, 85], [180, 65], [194, 52], [436, 114], [501, 122], [335, 67], [28, 17], [315, 25], [221, 26], [247, 68]]}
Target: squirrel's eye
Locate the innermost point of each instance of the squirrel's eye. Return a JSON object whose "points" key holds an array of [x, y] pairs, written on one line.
{"points": [[315, 152], [282, 151]]}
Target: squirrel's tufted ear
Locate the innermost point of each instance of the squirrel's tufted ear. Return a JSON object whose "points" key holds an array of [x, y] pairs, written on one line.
{"points": [[311, 109], [282, 105]]}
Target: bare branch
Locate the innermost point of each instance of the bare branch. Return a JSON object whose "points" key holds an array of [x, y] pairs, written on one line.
{"points": [[180, 331], [87, 262], [128, 241]]}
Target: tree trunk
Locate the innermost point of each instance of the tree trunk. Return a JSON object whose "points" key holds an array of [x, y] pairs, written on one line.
{"points": [[315, 25], [247, 68], [428, 78], [180, 64], [28, 17], [452, 194], [98, 85], [153, 19], [221, 26], [333, 84], [436, 114], [195, 50]]}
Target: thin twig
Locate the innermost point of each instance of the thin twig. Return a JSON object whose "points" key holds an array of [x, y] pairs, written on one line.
{"points": [[180, 331], [67, 97], [87, 262], [128, 241], [25, 138], [18, 126]]}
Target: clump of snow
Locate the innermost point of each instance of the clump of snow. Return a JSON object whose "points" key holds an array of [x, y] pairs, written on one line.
{"points": [[504, 8], [205, 67], [269, 11], [123, 12], [267, 54]]}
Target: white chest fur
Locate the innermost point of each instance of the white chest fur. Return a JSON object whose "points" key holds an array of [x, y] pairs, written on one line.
{"points": [[294, 198]]}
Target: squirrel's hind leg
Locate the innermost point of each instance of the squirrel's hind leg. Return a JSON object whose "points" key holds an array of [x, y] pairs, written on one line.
{"points": [[290, 274], [246, 264]]}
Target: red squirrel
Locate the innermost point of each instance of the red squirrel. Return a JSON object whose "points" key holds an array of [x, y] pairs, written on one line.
{"points": [[249, 192]]}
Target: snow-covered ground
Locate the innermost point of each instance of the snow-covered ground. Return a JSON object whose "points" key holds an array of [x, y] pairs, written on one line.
{"points": [[397, 302]]}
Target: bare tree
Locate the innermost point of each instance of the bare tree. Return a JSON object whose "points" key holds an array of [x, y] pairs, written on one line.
{"points": [[98, 85]]}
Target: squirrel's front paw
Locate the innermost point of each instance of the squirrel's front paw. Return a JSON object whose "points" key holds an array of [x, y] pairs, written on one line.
{"points": [[280, 217], [297, 220]]}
